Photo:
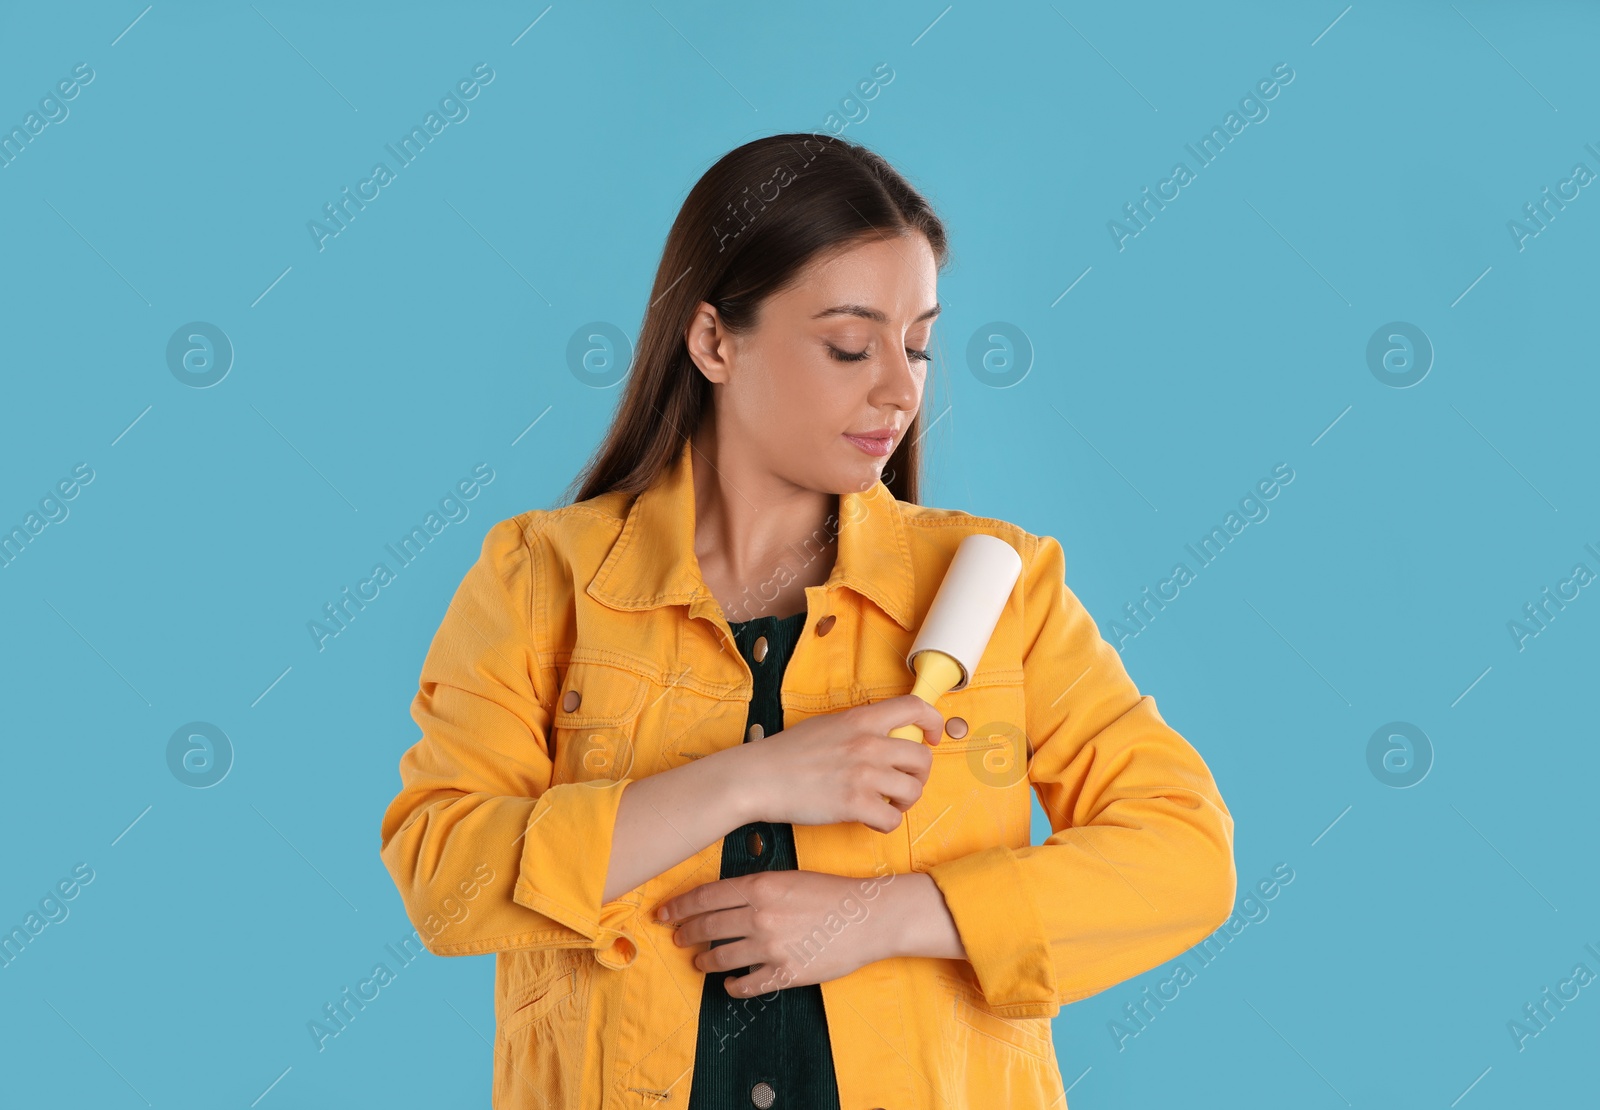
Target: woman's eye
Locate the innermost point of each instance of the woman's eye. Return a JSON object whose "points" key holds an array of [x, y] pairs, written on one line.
{"points": [[857, 356]]}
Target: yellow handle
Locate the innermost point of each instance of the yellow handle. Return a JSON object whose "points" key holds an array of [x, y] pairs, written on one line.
{"points": [[937, 673]]}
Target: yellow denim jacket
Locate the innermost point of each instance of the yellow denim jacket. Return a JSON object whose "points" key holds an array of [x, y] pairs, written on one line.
{"points": [[583, 652]]}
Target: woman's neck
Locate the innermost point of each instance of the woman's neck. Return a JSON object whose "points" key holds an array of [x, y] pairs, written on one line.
{"points": [[759, 542]]}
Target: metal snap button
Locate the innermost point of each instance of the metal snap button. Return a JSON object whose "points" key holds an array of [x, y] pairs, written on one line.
{"points": [[825, 625], [955, 728], [570, 701], [762, 1095], [754, 843], [755, 732], [760, 649]]}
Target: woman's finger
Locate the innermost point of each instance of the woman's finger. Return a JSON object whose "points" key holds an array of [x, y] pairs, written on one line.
{"points": [[896, 787], [718, 894], [703, 928], [760, 979], [726, 957]]}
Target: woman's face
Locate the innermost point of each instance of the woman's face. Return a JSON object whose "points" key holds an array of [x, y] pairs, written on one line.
{"points": [[841, 351]]}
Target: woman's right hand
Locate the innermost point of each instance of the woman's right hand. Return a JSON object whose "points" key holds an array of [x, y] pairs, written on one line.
{"points": [[841, 766]]}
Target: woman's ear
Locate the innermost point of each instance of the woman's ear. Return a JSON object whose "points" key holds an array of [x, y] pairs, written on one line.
{"points": [[708, 343]]}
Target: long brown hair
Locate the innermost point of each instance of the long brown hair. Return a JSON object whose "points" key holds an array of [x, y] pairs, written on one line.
{"points": [[746, 229]]}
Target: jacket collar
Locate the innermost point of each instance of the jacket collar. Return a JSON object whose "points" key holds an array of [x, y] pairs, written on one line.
{"points": [[653, 561]]}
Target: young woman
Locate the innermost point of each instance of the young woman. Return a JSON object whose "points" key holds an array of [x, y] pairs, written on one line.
{"points": [[656, 776]]}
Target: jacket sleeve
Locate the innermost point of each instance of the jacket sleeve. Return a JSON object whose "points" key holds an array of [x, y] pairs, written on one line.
{"points": [[1139, 866], [486, 853]]}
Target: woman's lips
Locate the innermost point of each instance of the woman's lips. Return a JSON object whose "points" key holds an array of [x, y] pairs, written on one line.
{"points": [[878, 448]]}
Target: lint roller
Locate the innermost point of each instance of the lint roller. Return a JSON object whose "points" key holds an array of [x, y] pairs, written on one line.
{"points": [[961, 619]]}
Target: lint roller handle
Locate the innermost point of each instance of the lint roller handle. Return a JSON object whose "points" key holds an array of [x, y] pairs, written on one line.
{"points": [[961, 620]]}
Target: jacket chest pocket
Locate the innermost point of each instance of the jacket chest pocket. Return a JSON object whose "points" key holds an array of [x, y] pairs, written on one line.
{"points": [[596, 721], [978, 791]]}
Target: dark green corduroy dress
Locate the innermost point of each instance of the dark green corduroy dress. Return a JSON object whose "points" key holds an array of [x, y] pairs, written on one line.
{"points": [[768, 1050]]}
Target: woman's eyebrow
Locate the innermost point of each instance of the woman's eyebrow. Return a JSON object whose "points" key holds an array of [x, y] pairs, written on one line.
{"points": [[872, 314]]}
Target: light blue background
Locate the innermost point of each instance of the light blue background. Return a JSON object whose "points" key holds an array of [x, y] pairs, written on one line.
{"points": [[368, 377]]}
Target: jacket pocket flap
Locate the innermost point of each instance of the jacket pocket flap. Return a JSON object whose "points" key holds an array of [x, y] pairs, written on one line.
{"points": [[598, 695]]}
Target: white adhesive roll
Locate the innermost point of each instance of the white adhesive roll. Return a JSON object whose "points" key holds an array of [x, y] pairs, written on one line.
{"points": [[969, 602]]}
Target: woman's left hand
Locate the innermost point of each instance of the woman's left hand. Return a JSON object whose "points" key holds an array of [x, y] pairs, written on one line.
{"points": [[795, 927]]}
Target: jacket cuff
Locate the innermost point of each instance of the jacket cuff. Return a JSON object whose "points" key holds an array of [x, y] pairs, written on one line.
{"points": [[566, 852], [1001, 929]]}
